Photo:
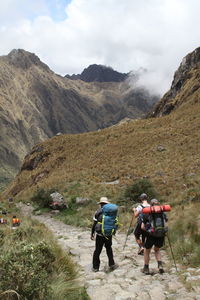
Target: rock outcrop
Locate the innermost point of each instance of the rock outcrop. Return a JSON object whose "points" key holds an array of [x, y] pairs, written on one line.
{"points": [[186, 82]]}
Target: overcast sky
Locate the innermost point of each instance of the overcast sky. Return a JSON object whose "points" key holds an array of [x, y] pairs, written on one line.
{"points": [[125, 34]]}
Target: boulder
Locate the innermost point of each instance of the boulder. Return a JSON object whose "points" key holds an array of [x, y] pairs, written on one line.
{"points": [[58, 201], [80, 200]]}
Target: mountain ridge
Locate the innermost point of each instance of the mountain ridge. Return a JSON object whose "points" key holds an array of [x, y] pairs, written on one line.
{"points": [[99, 73], [36, 104]]}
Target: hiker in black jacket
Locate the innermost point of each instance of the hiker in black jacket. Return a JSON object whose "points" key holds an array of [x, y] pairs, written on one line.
{"points": [[101, 240]]}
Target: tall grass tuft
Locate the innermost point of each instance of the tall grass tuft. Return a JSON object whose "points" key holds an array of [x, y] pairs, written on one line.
{"points": [[185, 235], [32, 264], [62, 290]]}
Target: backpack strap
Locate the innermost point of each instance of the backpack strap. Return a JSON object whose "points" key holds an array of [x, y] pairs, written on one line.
{"points": [[102, 226], [103, 231]]}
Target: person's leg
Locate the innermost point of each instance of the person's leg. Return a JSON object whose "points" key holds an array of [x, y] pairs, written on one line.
{"points": [[146, 261], [147, 256], [108, 246], [158, 244], [98, 248], [157, 253], [147, 250], [138, 233], [144, 236], [159, 260]]}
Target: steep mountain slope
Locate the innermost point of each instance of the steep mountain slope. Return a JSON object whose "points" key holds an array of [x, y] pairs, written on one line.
{"points": [[185, 84], [163, 149], [36, 103]]}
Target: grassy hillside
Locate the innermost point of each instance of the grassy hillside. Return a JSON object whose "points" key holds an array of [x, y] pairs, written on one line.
{"points": [[163, 149]]}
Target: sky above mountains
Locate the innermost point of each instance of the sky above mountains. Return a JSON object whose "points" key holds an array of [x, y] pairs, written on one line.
{"points": [[147, 36]]}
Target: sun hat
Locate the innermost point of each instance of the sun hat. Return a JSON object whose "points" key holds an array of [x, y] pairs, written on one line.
{"points": [[103, 200]]}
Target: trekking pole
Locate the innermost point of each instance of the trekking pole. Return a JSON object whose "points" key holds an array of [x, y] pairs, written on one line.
{"points": [[172, 252], [128, 231]]}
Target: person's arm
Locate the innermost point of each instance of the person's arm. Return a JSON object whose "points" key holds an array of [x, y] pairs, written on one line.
{"points": [[165, 217], [143, 226], [95, 219], [145, 220], [93, 230], [137, 211]]}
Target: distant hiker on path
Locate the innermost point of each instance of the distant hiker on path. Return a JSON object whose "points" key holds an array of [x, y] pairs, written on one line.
{"points": [[105, 225], [15, 221], [140, 234], [155, 226]]}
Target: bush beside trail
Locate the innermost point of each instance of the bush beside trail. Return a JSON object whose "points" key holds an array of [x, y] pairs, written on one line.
{"points": [[33, 266]]}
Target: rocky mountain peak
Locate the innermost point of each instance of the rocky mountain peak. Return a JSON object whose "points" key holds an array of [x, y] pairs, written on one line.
{"points": [[189, 61], [99, 73], [24, 59], [184, 84]]}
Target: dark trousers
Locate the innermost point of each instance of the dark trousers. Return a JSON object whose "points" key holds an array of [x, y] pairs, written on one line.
{"points": [[100, 242]]}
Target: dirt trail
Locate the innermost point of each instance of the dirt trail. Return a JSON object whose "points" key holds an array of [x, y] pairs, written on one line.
{"points": [[125, 283]]}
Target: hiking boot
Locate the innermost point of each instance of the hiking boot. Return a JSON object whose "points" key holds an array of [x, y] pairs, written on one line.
{"points": [[95, 270], [145, 270], [113, 267], [161, 270], [141, 251], [160, 267]]}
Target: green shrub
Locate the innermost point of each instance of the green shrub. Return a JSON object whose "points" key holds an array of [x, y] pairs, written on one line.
{"points": [[33, 266], [42, 198], [26, 270], [140, 186]]}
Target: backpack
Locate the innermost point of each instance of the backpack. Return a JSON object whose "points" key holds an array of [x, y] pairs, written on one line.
{"points": [[157, 225], [109, 223], [15, 222]]}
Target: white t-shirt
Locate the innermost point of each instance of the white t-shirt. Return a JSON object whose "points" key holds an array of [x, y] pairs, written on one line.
{"points": [[141, 206]]}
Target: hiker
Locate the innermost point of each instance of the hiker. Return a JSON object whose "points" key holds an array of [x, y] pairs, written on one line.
{"points": [[10, 199], [154, 225], [140, 234], [102, 239], [15, 221], [3, 221], [10, 202]]}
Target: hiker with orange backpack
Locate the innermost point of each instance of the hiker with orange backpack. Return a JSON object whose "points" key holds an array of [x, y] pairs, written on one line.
{"points": [[15, 221], [154, 224], [105, 226]]}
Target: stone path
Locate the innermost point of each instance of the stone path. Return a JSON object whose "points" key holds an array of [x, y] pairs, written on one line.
{"points": [[127, 282]]}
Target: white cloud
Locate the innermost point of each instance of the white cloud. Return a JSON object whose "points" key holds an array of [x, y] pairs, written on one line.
{"points": [[126, 35]]}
